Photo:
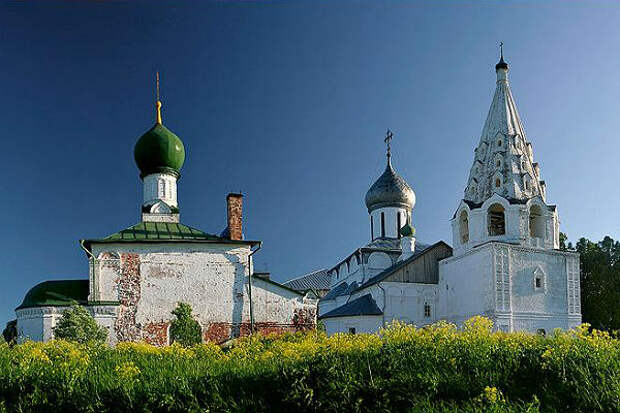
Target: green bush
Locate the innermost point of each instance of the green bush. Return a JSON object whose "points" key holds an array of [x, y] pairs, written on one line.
{"points": [[184, 329], [402, 369], [76, 324]]}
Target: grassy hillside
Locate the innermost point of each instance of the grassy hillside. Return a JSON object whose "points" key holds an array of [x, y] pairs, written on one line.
{"points": [[438, 368]]}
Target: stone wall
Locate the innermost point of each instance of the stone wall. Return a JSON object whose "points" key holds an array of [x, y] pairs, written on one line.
{"points": [[150, 279]]}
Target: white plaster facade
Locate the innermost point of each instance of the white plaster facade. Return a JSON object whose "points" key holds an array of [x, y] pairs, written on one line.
{"points": [[160, 186], [505, 265], [213, 278]]}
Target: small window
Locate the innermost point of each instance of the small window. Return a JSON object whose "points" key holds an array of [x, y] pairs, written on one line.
{"points": [[351, 330], [427, 310], [499, 143], [382, 225], [523, 165], [527, 185], [398, 224], [498, 182], [162, 188], [538, 282], [372, 228]]}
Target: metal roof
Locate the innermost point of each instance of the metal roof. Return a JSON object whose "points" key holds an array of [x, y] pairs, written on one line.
{"points": [[390, 189], [56, 293], [163, 232], [390, 270], [364, 305], [336, 291], [316, 280]]}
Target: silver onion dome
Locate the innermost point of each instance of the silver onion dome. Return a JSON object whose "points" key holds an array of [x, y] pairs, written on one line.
{"points": [[390, 190]]}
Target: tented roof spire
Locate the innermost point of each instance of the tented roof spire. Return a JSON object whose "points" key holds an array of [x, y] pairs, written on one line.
{"points": [[503, 161]]}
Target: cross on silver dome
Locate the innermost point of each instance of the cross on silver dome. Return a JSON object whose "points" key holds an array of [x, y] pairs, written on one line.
{"points": [[390, 189]]}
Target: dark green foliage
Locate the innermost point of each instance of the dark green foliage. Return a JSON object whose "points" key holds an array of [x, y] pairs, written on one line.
{"points": [[600, 283], [435, 369], [76, 324], [10, 332], [184, 329]]}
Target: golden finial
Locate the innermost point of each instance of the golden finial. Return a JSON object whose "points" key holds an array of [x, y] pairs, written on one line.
{"points": [[158, 102]]}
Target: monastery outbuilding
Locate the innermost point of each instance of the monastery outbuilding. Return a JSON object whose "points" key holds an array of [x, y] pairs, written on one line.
{"points": [[505, 262], [139, 274]]}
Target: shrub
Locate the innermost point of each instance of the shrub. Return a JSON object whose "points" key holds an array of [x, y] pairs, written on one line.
{"points": [[76, 324], [433, 369], [184, 329]]}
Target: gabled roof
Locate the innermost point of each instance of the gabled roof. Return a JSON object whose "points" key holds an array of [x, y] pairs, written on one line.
{"points": [[364, 305], [316, 280], [57, 293], [389, 271], [163, 232], [336, 291]]}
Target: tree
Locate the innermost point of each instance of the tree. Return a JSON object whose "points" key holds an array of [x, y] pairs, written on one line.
{"points": [[184, 329], [76, 324], [600, 282], [10, 332]]}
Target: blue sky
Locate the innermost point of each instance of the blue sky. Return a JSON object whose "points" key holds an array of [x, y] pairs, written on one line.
{"points": [[289, 102]]}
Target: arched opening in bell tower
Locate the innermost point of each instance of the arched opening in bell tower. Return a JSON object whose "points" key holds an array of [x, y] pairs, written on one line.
{"points": [[464, 227], [537, 222], [496, 220]]}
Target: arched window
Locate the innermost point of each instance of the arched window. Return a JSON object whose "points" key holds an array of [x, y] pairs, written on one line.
{"points": [[427, 310], [498, 182], [498, 163], [382, 225], [537, 222], [398, 224], [499, 143], [523, 165], [464, 227], [496, 220]]}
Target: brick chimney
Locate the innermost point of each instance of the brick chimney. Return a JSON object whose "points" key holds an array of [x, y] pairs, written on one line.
{"points": [[234, 207]]}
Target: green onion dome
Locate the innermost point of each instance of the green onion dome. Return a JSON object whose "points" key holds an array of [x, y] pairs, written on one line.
{"points": [[159, 150]]}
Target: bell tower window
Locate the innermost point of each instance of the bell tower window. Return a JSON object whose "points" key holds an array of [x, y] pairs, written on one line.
{"points": [[537, 222], [496, 220], [464, 227]]}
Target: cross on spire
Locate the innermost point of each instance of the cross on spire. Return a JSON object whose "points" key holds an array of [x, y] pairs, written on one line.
{"points": [[388, 140], [157, 102], [501, 50]]}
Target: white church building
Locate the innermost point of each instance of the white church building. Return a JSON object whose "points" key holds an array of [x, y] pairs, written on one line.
{"points": [[505, 261], [138, 275]]}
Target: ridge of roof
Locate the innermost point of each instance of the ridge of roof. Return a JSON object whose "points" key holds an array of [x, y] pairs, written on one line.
{"points": [[390, 270], [162, 232], [364, 305]]}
